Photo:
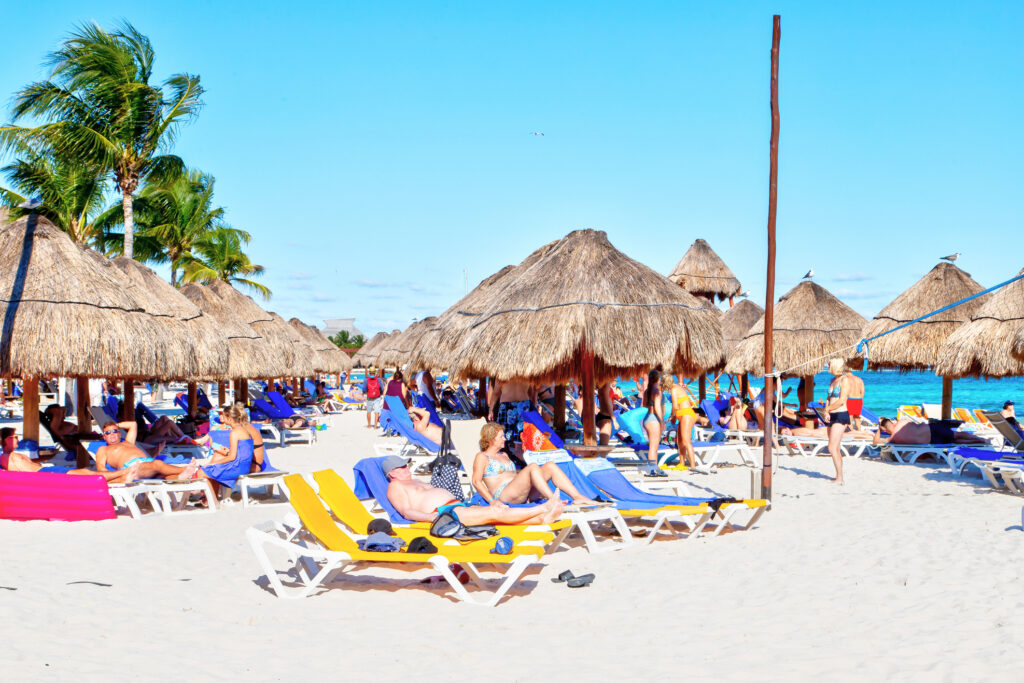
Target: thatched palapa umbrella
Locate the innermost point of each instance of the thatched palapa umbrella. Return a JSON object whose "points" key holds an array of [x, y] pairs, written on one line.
{"points": [[984, 347], [329, 358], [810, 326], [702, 272], [584, 309], [68, 312], [736, 322], [919, 346], [398, 349], [367, 354]]}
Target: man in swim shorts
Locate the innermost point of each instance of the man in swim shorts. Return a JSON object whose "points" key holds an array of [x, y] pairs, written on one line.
{"points": [[421, 502], [117, 455], [908, 432]]}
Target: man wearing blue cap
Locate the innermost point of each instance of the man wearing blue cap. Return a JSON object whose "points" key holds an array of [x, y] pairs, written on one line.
{"points": [[421, 502]]}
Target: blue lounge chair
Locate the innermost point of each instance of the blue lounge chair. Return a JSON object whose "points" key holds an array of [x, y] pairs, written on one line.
{"points": [[604, 476], [269, 478], [398, 421], [283, 435], [370, 482]]}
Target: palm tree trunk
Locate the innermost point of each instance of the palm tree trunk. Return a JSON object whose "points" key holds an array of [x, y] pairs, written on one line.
{"points": [[129, 225], [174, 276]]}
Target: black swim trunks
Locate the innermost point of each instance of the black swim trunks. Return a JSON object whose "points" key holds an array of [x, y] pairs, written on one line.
{"points": [[602, 417], [841, 418], [941, 432]]}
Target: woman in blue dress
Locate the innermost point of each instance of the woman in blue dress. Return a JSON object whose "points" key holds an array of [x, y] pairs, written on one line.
{"points": [[244, 454]]}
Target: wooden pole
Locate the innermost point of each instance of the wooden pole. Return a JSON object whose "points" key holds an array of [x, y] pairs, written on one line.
{"points": [[560, 409], [193, 399], [702, 386], [244, 400], [30, 408], [745, 386], [82, 403], [222, 394], [129, 399], [947, 398], [589, 426], [769, 305]]}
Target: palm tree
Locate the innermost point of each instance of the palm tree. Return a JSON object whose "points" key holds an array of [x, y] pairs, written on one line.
{"points": [[172, 218], [99, 107], [219, 256], [72, 194]]}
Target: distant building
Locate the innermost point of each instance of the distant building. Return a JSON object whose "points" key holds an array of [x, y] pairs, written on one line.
{"points": [[336, 325]]}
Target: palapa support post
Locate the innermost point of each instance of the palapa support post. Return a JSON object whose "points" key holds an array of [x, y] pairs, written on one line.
{"points": [[807, 397], [589, 426], [702, 386], [560, 409], [947, 398], [769, 307], [129, 399], [30, 406], [245, 393], [192, 398], [745, 385], [82, 403], [222, 394]]}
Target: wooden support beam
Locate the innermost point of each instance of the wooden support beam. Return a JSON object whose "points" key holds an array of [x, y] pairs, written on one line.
{"points": [[30, 408], [560, 391], [947, 398], [589, 426], [193, 398], [129, 399], [82, 404]]}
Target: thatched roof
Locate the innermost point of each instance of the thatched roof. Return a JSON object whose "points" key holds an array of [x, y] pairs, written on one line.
{"points": [[983, 347], [810, 323], [68, 311], [327, 356], [249, 354], [367, 355], [737, 321], [436, 346], [286, 360], [702, 272], [304, 357], [397, 350], [182, 318], [1018, 344], [919, 346], [582, 290]]}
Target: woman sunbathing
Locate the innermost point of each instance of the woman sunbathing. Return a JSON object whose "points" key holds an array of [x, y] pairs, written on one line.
{"points": [[244, 454], [495, 477]]}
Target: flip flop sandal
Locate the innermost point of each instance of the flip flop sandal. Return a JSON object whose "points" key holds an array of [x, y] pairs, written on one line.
{"points": [[567, 575], [580, 581]]}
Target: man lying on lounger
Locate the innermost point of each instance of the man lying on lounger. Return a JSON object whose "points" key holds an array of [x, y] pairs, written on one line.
{"points": [[421, 502], [908, 432], [18, 462], [117, 455]]}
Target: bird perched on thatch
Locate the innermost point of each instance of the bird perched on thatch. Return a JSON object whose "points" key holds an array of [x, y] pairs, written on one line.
{"points": [[809, 275], [951, 257]]}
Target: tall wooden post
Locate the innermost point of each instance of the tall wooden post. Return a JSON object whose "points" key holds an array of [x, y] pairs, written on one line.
{"points": [[30, 408], [129, 399], [560, 409], [222, 394], [769, 306], [244, 400], [947, 398], [589, 426], [745, 386], [82, 403], [702, 387], [193, 399]]}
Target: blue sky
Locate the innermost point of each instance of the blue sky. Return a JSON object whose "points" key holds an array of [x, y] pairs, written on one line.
{"points": [[375, 150]]}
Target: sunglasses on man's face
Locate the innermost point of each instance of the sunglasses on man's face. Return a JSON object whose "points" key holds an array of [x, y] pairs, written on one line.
{"points": [[110, 431]]}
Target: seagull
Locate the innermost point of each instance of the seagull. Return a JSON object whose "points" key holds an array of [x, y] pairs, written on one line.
{"points": [[536, 133], [31, 203], [951, 257], [810, 274]]}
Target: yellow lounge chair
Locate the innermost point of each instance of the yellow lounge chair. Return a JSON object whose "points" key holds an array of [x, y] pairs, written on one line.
{"points": [[963, 415], [910, 411], [980, 415], [351, 512], [320, 550]]}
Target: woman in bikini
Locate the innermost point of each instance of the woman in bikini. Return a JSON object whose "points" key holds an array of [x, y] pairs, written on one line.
{"points": [[837, 413], [495, 477], [686, 417], [654, 421]]}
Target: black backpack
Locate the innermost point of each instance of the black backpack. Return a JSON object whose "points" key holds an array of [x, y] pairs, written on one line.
{"points": [[444, 469]]}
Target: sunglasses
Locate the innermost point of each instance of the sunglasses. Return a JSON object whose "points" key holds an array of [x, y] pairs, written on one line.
{"points": [[111, 431]]}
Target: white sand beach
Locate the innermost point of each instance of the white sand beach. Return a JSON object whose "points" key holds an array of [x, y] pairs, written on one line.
{"points": [[905, 573]]}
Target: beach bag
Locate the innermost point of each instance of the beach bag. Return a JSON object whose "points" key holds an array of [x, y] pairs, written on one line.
{"points": [[447, 525], [444, 469], [373, 388]]}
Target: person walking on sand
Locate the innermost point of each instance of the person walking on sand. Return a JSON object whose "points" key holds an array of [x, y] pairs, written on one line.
{"points": [[837, 413]]}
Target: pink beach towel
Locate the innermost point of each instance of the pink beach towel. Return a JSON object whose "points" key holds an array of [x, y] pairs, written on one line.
{"points": [[46, 495]]}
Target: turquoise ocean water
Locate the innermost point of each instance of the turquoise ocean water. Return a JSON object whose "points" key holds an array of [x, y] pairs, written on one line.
{"points": [[886, 391]]}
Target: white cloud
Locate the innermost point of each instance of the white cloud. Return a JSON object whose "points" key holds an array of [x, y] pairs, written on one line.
{"points": [[853, 277], [300, 275], [324, 297], [369, 283]]}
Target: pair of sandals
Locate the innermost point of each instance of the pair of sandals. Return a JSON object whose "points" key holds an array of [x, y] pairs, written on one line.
{"points": [[573, 581], [651, 469]]}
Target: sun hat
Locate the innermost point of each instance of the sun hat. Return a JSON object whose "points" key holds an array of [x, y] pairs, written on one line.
{"points": [[372, 370], [1008, 403]]}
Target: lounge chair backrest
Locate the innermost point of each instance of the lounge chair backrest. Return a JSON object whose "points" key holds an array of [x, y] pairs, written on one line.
{"points": [[145, 411], [342, 501], [869, 416], [370, 482], [48, 495], [534, 418], [202, 400], [315, 517], [401, 423], [282, 405], [606, 477], [963, 415], [631, 422], [271, 411], [712, 413], [1005, 429], [980, 415], [933, 411], [100, 415], [424, 403]]}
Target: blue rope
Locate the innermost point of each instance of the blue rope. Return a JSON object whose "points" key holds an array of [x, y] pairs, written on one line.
{"points": [[863, 343]]}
